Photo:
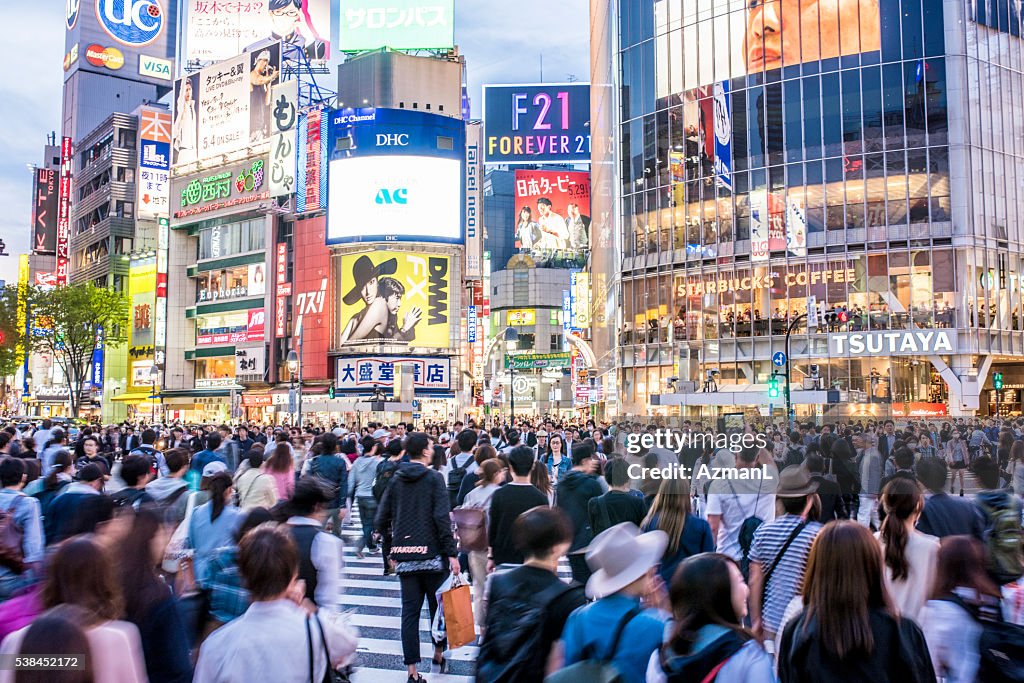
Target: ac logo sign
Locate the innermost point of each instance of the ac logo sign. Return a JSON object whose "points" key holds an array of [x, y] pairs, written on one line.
{"points": [[397, 196], [131, 22], [392, 139]]}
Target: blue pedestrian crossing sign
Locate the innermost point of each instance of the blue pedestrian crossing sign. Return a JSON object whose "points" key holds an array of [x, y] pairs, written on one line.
{"points": [[779, 359]]}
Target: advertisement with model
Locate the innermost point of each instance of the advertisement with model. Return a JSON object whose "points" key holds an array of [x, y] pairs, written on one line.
{"points": [[395, 175]]}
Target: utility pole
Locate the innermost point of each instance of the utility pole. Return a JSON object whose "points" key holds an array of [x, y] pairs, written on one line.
{"points": [[789, 365]]}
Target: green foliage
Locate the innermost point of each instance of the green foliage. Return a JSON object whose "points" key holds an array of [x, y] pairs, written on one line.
{"points": [[12, 350], [78, 316]]}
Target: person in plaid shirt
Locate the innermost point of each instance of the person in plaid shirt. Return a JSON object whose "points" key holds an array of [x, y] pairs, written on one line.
{"points": [[228, 598]]}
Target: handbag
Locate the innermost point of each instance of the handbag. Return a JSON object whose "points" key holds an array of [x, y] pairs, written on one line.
{"points": [[177, 547], [20, 610], [458, 614], [471, 526], [331, 675]]}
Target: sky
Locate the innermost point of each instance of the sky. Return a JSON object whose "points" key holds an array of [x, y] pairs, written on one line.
{"points": [[503, 43]]}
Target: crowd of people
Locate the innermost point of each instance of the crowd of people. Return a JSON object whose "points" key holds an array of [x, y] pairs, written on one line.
{"points": [[215, 554]]}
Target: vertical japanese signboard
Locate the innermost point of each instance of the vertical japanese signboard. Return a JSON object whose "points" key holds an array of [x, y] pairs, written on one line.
{"points": [[64, 212], [283, 291], [311, 190], [44, 211], [474, 202], [284, 114], [154, 184]]}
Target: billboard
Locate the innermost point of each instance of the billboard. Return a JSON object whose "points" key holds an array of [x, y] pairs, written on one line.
{"points": [[238, 327], [474, 203], [395, 175], [362, 373], [552, 219], [64, 211], [225, 108], [397, 24], [44, 211], [285, 97], [220, 30], [311, 180], [219, 192], [154, 183], [141, 333], [312, 304], [537, 123], [395, 297]]}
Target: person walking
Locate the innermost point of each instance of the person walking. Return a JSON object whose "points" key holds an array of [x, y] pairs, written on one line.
{"points": [[507, 503], [281, 469], [320, 553], [618, 504], [870, 480], [254, 487], [909, 554], [331, 470], [708, 642], [688, 534], [848, 629], [491, 473], [573, 494], [212, 525], [360, 488], [22, 547], [415, 508]]}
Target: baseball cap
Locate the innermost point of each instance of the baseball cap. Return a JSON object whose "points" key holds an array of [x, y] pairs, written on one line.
{"points": [[213, 468], [381, 433]]}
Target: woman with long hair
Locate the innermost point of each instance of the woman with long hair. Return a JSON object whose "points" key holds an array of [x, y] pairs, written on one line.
{"points": [[958, 458], [59, 632], [281, 468], [489, 479], [81, 574], [848, 630], [687, 534], [556, 458], [962, 591], [541, 480], [1016, 469], [708, 642], [212, 525], [909, 554], [148, 601]]}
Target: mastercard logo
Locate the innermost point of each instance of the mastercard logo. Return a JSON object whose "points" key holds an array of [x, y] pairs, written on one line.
{"points": [[110, 57]]}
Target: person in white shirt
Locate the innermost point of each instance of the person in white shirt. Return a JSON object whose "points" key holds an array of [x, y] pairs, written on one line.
{"points": [[910, 556], [733, 500], [307, 510], [554, 232], [271, 641]]}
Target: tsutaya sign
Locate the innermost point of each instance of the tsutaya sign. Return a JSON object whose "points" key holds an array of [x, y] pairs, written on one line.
{"points": [[700, 286], [904, 343]]}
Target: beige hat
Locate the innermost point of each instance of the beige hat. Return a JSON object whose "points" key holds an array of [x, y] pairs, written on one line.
{"points": [[621, 555], [795, 482]]}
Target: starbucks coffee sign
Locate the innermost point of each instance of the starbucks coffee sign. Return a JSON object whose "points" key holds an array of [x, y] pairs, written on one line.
{"points": [[894, 343]]}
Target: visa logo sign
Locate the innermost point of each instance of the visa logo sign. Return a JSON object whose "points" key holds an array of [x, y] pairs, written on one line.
{"points": [[396, 196], [154, 67]]}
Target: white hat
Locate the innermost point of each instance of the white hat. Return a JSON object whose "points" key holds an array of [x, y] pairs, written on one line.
{"points": [[338, 431], [381, 433], [621, 555], [542, 433], [213, 468]]}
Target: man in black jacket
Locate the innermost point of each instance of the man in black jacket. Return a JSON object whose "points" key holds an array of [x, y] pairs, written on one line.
{"points": [[507, 503], [619, 504], [573, 496], [943, 514], [828, 491], [415, 507], [80, 507]]}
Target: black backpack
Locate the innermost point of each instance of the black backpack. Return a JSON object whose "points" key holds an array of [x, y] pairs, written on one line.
{"points": [[385, 471], [1001, 646], [456, 474], [515, 636]]}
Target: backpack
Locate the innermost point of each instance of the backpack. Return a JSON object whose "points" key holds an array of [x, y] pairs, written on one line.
{"points": [[747, 529], [594, 669], [1001, 646], [11, 555], [333, 487], [385, 470], [471, 528], [457, 473], [515, 635], [130, 498], [1004, 541]]}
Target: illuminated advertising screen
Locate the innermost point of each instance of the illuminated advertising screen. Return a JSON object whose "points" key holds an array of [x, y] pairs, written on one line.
{"points": [[154, 183], [397, 24], [395, 175], [225, 108], [552, 221], [395, 297], [220, 30], [537, 123], [141, 337], [44, 211]]}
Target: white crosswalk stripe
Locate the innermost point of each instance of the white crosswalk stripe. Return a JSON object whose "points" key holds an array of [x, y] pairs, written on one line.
{"points": [[375, 607]]}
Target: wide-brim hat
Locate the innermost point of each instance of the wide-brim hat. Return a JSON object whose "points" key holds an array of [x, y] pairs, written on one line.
{"points": [[363, 271], [794, 482], [621, 555]]}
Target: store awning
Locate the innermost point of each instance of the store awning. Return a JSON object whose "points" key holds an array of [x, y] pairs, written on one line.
{"points": [[133, 397]]}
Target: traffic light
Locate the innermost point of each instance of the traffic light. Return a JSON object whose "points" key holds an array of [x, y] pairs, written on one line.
{"points": [[773, 386], [331, 392], [997, 381], [836, 316]]}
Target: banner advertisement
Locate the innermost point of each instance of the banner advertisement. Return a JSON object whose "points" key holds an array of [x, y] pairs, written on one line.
{"points": [[723, 135], [397, 24], [362, 373], [396, 175], [231, 328], [582, 297], [250, 364], [154, 182], [141, 333], [553, 217], [44, 211], [474, 203], [220, 30], [200, 196], [534, 361], [311, 183], [64, 212], [225, 108], [312, 305], [285, 98], [395, 297], [537, 123]]}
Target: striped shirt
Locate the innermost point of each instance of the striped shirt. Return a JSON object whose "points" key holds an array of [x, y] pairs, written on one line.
{"points": [[788, 577]]}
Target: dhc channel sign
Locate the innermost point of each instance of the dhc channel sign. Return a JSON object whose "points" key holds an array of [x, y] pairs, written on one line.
{"points": [[131, 22]]}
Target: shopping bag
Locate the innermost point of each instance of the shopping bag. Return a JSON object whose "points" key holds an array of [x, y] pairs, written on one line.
{"points": [[437, 626], [458, 615]]}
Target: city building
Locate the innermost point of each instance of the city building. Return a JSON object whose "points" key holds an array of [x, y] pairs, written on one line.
{"points": [[872, 171]]}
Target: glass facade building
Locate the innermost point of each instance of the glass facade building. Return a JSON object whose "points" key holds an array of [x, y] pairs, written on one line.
{"points": [[863, 155]]}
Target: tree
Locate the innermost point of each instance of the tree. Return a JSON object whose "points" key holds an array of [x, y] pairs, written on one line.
{"points": [[12, 335], [77, 317]]}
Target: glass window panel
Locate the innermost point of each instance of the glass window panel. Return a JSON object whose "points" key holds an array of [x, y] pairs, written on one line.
{"points": [[812, 117]]}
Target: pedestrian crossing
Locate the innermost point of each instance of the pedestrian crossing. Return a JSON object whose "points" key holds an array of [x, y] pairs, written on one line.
{"points": [[373, 602]]}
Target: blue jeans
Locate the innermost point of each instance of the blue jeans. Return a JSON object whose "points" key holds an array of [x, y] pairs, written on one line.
{"points": [[367, 511]]}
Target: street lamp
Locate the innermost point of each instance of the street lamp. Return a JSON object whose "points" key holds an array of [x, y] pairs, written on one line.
{"points": [[294, 368], [154, 375], [511, 342]]}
